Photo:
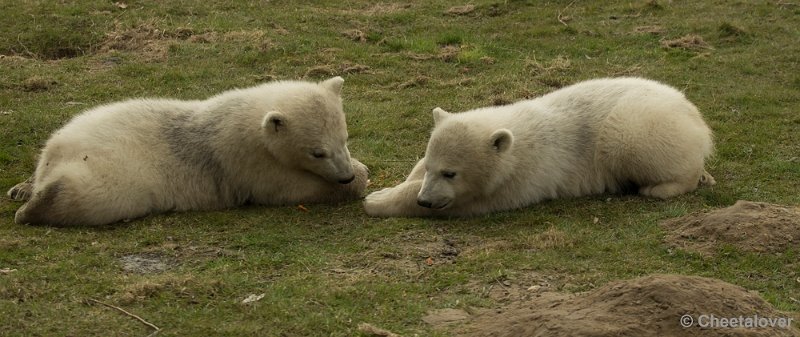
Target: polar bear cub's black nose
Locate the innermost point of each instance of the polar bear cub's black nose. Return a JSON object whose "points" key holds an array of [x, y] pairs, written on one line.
{"points": [[424, 203], [348, 180]]}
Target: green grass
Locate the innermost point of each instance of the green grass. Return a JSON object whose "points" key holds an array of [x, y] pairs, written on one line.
{"points": [[326, 270]]}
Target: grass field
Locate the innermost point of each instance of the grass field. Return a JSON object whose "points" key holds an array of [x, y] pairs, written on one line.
{"points": [[324, 270]]}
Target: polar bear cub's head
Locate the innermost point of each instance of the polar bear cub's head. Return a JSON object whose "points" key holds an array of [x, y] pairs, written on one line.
{"points": [[307, 129], [464, 160]]}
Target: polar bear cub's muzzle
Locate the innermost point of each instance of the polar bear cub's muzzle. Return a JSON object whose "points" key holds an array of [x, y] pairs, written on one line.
{"points": [[436, 192], [344, 167], [335, 166]]}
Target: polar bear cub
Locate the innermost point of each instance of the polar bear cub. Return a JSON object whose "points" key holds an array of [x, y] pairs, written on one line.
{"points": [[274, 144], [602, 135]]}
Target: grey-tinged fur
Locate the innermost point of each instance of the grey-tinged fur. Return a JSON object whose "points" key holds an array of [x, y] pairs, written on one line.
{"points": [[189, 140]]}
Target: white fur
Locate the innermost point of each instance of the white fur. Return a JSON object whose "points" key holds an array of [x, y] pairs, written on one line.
{"points": [[592, 137], [129, 159]]}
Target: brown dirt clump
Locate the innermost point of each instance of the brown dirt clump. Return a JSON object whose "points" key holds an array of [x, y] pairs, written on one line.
{"points": [[747, 226], [385, 8], [355, 35], [460, 10], [414, 82], [449, 53], [371, 330], [353, 68], [326, 70], [688, 42], [653, 29], [649, 306], [320, 71], [39, 83], [132, 38]]}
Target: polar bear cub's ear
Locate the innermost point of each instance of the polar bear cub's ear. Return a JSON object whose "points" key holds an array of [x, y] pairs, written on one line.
{"points": [[334, 84], [274, 120], [501, 140], [439, 115]]}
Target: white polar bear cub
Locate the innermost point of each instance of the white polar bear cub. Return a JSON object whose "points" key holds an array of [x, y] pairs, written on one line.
{"points": [[273, 144], [596, 136]]}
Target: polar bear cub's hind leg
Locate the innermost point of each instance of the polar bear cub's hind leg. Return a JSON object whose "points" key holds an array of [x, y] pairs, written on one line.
{"points": [[71, 195], [669, 189], [22, 191], [43, 207]]}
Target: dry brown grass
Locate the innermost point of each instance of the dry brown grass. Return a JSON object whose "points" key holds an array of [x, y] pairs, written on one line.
{"points": [[688, 42]]}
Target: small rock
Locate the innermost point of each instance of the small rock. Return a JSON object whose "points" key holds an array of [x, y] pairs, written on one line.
{"points": [[253, 298]]}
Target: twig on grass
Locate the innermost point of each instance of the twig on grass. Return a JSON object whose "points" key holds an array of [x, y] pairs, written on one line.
{"points": [[155, 332], [375, 331], [157, 329], [27, 51], [563, 19]]}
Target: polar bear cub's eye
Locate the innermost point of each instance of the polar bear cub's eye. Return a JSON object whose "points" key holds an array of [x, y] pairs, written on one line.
{"points": [[319, 154], [448, 174]]}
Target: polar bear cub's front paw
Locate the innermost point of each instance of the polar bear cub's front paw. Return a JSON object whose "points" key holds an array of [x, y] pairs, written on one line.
{"points": [[380, 203]]}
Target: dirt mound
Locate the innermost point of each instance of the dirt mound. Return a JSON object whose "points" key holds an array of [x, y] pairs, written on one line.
{"points": [[654, 305], [747, 226]]}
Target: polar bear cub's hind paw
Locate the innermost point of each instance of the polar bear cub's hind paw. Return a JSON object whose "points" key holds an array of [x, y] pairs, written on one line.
{"points": [[667, 190], [707, 179], [22, 191]]}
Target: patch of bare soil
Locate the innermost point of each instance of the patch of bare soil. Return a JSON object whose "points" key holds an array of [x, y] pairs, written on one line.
{"points": [[444, 317], [158, 259], [519, 287], [187, 288], [410, 254], [417, 251], [145, 263], [647, 306], [747, 226]]}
